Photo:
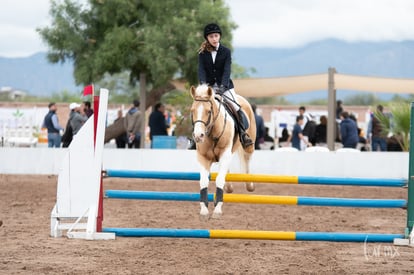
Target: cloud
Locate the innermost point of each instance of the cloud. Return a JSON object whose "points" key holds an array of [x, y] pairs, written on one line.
{"points": [[279, 23], [262, 23], [18, 22]]}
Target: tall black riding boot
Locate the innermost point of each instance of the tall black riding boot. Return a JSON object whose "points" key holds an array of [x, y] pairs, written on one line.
{"points": [[245, 140]]}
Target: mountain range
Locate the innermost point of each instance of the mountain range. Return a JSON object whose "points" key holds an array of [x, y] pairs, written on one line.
{"points": [[35, 75]]}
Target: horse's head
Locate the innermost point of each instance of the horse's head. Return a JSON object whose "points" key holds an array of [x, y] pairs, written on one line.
{"points": [[202, 111]]}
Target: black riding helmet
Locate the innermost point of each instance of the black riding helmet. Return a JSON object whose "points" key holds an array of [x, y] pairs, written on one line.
{"points": [[211, 28]]}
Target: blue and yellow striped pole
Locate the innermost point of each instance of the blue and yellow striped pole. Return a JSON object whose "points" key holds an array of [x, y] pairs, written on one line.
{"points": [[259, 178], [253, 235], [259, 199]]}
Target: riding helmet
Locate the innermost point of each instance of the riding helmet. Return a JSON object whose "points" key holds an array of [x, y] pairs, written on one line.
{"points": [[211, 28]]}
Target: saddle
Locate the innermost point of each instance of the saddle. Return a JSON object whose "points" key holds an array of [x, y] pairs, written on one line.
{"points": [[228, 106]]}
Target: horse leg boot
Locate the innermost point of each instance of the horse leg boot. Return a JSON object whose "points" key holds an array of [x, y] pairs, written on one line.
{"points": [[218, 203], [204, 204], [245, 140]]}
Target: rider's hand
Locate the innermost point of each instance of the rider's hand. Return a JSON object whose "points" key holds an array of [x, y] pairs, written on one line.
{"points": [[222, 89]]}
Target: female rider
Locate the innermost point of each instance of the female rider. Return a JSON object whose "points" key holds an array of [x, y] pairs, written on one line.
{"points": [[214, 69]]}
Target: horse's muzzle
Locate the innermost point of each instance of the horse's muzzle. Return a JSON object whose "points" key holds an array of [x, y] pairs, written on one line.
{"points": [[199, 138]]}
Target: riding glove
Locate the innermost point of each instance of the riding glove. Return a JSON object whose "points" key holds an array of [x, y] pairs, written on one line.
{"points": [[222, 89]]}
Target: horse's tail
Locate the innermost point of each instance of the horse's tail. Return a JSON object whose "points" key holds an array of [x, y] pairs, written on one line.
{"points": [[244, 157]]}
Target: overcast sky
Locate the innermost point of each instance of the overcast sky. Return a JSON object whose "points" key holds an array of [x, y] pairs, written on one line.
{"points": [[262, 23]]}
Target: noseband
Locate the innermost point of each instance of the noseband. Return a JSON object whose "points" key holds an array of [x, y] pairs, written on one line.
{"points": [[206, 123], [211, 118]]}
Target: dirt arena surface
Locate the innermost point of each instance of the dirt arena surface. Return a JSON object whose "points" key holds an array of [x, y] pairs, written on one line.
{"points": [[26, 248]]}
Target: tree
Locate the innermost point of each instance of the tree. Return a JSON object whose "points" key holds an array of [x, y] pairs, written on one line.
{"points": [[156, 38], [121, 90], [362, 99]]}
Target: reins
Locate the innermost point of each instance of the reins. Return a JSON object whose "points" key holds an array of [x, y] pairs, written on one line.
{"points": [[209, 124]]}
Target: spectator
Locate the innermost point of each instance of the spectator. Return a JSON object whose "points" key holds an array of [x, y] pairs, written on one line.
{"points": [[87, 108], [361, 139], [120, 140], [132, 123], [269, 142], [394, 143], [308, 126], [321, 131], [304, 114], [51, 123], [158, 125], [260, 128], [339, 109], [297, 135], [349, 131], [77, 117], [285, 135], [376, 135]]}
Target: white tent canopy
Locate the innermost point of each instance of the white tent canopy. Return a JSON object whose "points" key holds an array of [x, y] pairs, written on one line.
{"points": [[267, 87]]}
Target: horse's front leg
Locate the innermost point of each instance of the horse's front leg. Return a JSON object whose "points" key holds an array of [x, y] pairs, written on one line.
{"points": [[204, 181], [225, 161]]}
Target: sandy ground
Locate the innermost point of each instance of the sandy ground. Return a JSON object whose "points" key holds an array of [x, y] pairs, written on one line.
{"points": [[26, 248]]}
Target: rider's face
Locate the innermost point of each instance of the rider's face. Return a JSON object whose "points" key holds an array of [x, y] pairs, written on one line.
{"points": [[213, 39]]}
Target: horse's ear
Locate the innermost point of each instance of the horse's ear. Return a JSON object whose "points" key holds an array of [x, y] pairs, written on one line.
{"points": [[192, 91], [209, 91]]}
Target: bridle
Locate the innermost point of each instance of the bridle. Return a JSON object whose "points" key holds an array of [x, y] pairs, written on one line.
{"points": [[211, 120]]}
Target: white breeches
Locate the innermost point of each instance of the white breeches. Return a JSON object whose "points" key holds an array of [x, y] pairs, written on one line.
{"points": [[231, 95]]}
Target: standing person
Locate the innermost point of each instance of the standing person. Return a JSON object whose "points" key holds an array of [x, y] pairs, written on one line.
{"points": [[297, 134], [321, 131], [349, 131], [51, 123], [132, 124], [87, 108], [260, 129], [375, 132], [339, 109], [77, 117], [158, 125], [308, 126], [304, 114], [214, 69]]}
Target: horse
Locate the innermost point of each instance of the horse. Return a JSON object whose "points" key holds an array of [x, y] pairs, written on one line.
{"points": [[217, 140]]}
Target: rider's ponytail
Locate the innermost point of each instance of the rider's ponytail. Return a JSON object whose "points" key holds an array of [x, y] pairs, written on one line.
{"points": [[205, 46]]}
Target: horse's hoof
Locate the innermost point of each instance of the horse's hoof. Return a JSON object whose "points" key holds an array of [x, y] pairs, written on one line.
{"points": [[228, 187], [216, 215], [250, 186]]}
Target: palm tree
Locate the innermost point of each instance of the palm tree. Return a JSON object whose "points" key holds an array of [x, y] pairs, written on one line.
{"points": [[398, 123]]}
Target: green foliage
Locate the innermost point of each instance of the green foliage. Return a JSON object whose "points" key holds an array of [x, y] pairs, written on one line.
{"points": [[156, 38], [319, 101], [238, 71], [277, 100], [181, 101], [361, 99], [65, 96], [398, 123], [121, 90]]}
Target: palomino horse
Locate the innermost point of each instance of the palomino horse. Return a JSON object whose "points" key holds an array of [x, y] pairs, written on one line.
{"points": [[217, 141]]}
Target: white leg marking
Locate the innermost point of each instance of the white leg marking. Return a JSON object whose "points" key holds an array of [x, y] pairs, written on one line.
{"points": [[204, 181], [217, 211]]}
